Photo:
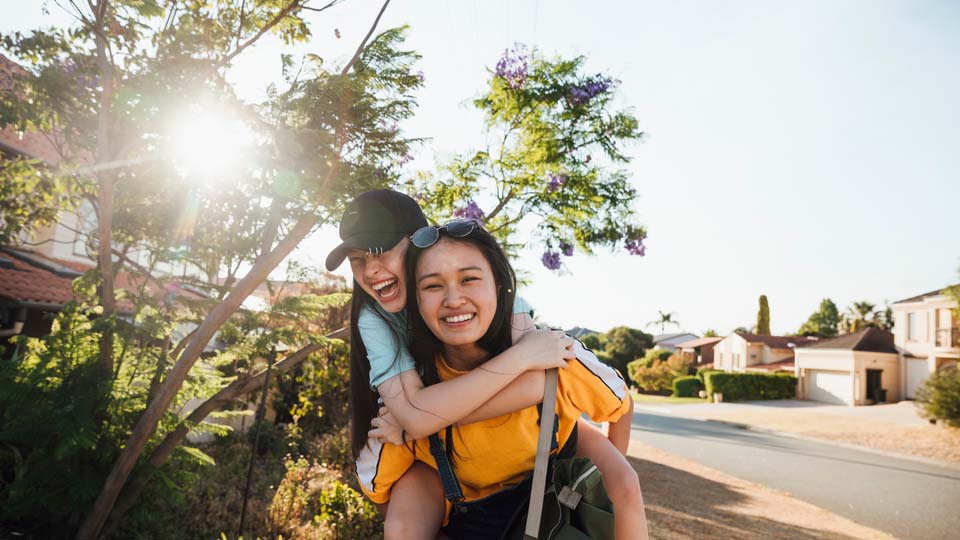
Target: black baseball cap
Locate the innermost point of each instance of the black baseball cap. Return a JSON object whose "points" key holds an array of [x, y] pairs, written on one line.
{"points": [[375, 221]]}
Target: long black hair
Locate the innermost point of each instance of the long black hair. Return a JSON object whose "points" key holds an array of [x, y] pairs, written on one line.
{"points": [[424, 345], [363, 400]]}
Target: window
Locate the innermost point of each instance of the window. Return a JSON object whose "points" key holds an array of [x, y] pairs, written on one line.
{"points": [[913, 331]]}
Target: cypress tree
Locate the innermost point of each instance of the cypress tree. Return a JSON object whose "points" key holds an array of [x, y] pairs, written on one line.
{"points": [[763, 317]]}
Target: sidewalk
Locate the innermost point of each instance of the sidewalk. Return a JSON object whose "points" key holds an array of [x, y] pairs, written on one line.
{"points": [[686, 501], [893, 428]]}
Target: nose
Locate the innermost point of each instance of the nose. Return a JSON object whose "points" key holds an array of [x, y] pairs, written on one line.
{"points": [[372, 264], [454, 297]]}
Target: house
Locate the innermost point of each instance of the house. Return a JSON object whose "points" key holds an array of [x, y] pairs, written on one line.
{"points": [[853, 369], [741, 352], [699, 351], [927, 335], [669, 341]]}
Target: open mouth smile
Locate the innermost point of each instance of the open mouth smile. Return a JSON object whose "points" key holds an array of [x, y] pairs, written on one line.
{"points": [[458, 319], [387, 289]]}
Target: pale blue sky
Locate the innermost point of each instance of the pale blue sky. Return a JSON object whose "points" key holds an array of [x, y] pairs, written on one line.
{"points": [[800, 150]]}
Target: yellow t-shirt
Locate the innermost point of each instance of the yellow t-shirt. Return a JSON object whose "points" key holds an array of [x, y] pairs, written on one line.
{"points": [[500, 452]]}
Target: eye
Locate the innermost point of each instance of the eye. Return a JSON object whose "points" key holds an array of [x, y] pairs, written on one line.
{"points": [[469, 279], [430, 286]]}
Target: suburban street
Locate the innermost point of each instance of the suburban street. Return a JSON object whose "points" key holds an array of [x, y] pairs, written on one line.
{"points": [[909, 499]]}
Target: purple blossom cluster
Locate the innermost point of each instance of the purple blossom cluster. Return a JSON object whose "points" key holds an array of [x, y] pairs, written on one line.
{"points": [[551, 259], [593, 86], [471, 211], [556, 180], [512, 67], [636, 247], [566, 248], [420, 76]]}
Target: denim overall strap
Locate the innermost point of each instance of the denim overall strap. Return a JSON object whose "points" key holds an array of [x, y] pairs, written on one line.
{"points": [[451, 486]]}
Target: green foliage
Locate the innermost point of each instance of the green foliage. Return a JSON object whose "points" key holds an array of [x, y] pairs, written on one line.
{"points": [[763, 317], [622, 345], [653, 355], [664, 320], [750, 386], [687, 386], [659, 376], [710, 332], [592, 342], [701, 372], [556, 165], [824, 323], [316, 395], [939, 396]]}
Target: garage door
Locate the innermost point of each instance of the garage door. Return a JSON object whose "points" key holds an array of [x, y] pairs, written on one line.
{"points": [[831, 387], [916, 373]]}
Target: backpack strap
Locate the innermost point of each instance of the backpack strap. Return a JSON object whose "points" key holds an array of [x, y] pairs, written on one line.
{"points": [[532, 530], [451, 486]]}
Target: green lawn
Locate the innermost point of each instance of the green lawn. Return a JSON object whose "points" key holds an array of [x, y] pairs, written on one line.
{"points": [[647, 398]]}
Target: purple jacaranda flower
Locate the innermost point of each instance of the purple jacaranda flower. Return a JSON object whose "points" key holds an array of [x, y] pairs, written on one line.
{"points": [[419, 197], [551, 259], [512, 67], [470, 211], [556, 180], [406, 159], [590, 88], [420, 76], [566, 249], [636, 247]]}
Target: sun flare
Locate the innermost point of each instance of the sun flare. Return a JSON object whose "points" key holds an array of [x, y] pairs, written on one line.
{"points": [[208, 142]]}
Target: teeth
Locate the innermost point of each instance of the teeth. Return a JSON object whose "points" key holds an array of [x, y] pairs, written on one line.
{"points": [[382, 284], [459, 318]]}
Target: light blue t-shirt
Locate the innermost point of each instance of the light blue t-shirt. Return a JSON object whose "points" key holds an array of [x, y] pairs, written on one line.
{"points": [[385, 359]]}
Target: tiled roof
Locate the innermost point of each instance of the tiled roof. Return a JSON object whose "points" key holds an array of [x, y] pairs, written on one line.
{"points": [[32, 143], [777, 342], [870, 339], [693, 343], [28, 277], [920, 297]]}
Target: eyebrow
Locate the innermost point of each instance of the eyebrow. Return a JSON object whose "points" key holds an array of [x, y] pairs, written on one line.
{"points": [[434, 274]]}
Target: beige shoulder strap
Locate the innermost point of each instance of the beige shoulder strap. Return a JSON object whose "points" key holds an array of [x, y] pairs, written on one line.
{"points": [[532, 530]]}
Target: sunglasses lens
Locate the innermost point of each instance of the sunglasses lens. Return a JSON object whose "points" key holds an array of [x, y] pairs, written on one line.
{"points": [[425, 237], [459, 229]]}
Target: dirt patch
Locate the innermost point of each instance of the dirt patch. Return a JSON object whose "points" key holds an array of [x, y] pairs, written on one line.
{"points": [[685, 500], [935, 442]]}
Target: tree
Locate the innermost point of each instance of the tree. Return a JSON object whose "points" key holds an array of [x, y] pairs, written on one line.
{"points": [[555, 166], [823, 323], [106, 89], [741, 330], [623, 345], [593, 342], [763, 317], [710, 332], [665, 320], [859, 316]]}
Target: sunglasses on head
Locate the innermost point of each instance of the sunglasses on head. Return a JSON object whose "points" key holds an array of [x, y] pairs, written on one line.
{"points": [[425, 237]]}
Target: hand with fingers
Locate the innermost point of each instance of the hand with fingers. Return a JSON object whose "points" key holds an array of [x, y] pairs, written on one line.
{"points": [[386, 429], [546, 349]]}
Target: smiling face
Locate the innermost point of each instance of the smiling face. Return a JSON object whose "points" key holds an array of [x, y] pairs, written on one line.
{"points": [[456, 292], [381, 276]]}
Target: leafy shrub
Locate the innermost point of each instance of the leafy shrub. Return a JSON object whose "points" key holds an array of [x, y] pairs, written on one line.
{"points": [[939, 396], [660, 375], [687, 386], [313, 503], [701, 372], [750, 386]]}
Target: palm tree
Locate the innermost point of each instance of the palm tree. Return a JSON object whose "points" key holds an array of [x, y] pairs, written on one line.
{"points": [[860, 315], [664, 320]]}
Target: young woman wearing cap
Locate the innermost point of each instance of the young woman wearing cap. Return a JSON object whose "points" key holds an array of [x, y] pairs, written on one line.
{"points": [[463, 284]]}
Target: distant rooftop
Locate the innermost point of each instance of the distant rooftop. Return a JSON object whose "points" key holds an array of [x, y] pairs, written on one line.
{"points": [[778, 342], [869, 340], [923, 296]]}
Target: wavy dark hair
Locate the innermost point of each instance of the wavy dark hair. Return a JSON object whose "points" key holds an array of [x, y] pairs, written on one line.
{"points": [[424, 345]]}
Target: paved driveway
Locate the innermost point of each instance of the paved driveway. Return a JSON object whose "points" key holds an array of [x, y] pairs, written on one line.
{"points": [[909, 499]]}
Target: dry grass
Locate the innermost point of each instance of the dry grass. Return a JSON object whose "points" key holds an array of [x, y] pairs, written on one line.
{"points": [[935, 442], [685, 500]]}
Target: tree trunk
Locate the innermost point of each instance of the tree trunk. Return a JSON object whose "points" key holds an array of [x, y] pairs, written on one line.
{"points": [[243, 385]]}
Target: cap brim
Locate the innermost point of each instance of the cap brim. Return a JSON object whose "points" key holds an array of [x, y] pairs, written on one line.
{"points": [[367, 241]]}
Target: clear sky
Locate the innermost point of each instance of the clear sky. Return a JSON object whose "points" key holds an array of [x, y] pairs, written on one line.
{"points": [[800, 150]]}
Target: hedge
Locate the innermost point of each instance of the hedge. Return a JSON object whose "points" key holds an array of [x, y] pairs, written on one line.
{"points": [[750, 386], [704, 370], [687, 386]]}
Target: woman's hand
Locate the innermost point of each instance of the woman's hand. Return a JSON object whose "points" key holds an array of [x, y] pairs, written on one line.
{"points": [[386, 429], [545, 349]]}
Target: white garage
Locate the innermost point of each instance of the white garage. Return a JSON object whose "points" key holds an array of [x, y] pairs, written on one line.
{"points": [[916, 372], [830, 387]]}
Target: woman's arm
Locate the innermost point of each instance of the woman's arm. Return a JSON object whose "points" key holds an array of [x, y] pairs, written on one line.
{"points": [[421, 410]]}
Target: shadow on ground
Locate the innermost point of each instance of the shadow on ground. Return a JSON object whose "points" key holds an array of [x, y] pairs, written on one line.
{"points": [[681, 505]]}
